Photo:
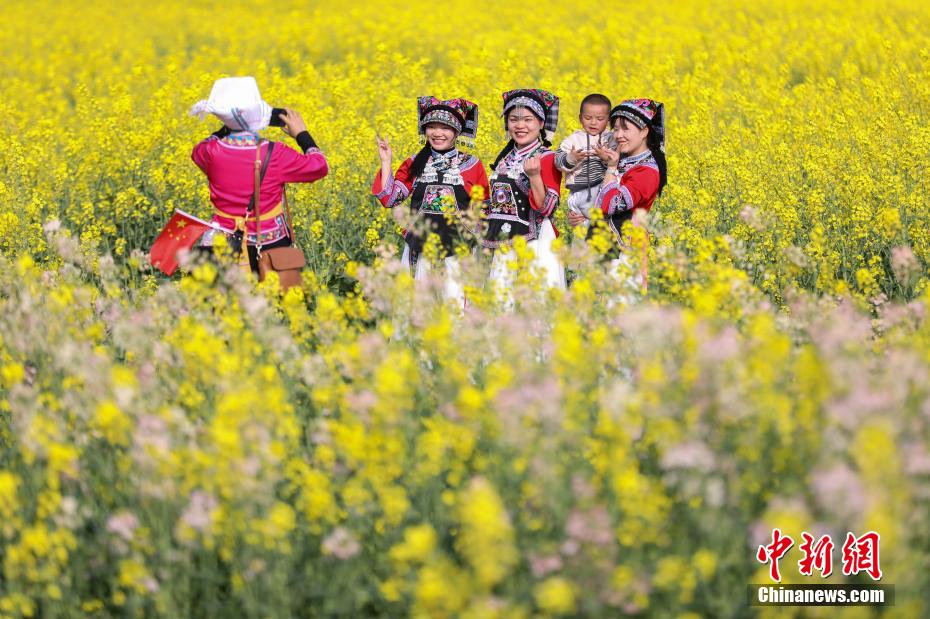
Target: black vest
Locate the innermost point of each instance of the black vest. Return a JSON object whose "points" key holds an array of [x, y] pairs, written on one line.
{"points": [[508, 213], [430, 201]]}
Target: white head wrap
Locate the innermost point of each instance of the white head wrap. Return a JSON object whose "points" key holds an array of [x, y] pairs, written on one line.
{"points": [[237, 102]]}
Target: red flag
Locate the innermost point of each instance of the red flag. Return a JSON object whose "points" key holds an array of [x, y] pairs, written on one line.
{"points": [[181, 232]]}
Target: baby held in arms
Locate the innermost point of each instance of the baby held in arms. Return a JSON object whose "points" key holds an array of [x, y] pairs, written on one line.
{"points": [[581, 155]]}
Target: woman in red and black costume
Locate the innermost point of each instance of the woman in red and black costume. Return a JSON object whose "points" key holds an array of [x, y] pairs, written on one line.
{"points": [[525, 185], [435, 179], [637, 170]]}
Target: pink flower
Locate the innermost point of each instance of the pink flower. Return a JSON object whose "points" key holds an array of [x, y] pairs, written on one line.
{"points": [[199, 511], [582, 488], [541, 565], [689, 455], [905, 265], [321, 435], [722, 347], [361, 401], [916, 459], [860, 404], [838, 490], [123, 524], [152, 432], [750, 215], [341, 544], [570, 548], [537, 400], [590, 526]]}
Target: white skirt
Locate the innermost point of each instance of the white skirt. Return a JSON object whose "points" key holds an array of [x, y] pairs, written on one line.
{"points": [[544, 259], [632, 284], [453, 289], [636, 278]]}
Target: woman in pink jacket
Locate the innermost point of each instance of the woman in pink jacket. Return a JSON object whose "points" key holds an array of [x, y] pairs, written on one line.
{"points": [[228, 157]]}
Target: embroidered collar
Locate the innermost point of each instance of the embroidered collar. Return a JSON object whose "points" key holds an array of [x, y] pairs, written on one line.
{"points": [[523, 151], [447, 155], [629, 162], [512, 165], [241, 138], [443, 161]]}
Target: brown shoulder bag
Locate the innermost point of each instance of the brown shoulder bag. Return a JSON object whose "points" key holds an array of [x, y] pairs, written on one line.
{"points": [[287, 262]]}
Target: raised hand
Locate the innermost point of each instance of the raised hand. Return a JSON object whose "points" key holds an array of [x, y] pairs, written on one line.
{"points": [[532, 167], [384, 150], [293, 122], [577, 155], [607, 155]]}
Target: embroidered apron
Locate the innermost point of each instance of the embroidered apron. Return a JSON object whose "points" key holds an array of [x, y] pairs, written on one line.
{"points": [[434, 193], [508, 212]]}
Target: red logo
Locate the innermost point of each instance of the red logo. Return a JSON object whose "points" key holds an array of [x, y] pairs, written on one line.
{"points": [[817, 556], [860, 554], [773, 552]]}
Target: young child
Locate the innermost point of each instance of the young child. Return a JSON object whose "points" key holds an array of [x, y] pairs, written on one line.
{"points": [[584, 168]]}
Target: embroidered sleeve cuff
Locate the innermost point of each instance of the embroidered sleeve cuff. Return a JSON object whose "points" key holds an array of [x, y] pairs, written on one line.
{"points": [[387, 188], [550, 203], [620, 202], [627, 197], [398, 194], [602, 193], [304, 141]]}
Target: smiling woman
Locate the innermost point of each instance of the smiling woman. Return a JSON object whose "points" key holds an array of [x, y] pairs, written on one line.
{"points": [[439, 181], [525, 187], [636, 171], [206, 448]]}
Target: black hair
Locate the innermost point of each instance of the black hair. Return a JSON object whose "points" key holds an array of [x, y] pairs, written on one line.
{"points": [[594, 98], [509, 147], [542, 136], [419, 161], [652, 142]]}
